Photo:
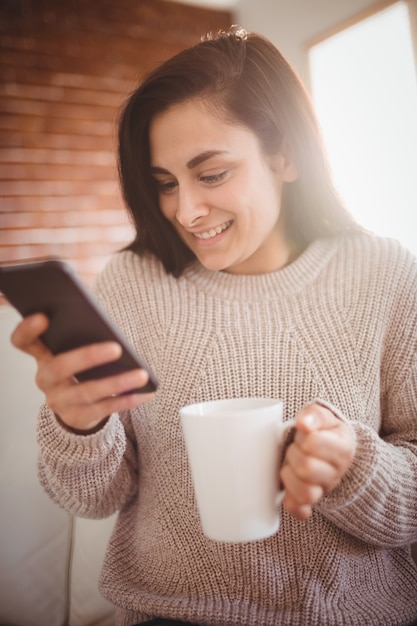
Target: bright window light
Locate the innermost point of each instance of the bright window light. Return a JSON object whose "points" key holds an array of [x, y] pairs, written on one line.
{"points": [[363, 82]]}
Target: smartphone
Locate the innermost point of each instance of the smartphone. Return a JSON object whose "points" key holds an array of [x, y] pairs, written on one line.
{"points": [[75, 319]]}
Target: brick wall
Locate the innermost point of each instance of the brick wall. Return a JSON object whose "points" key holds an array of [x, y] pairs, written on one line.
{"points": [[65, 69]]}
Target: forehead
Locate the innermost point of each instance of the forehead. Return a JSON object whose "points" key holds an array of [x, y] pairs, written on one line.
{"points": [[191, 127]]}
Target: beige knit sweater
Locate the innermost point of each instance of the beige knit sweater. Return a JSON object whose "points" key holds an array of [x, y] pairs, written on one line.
{"points": [[339, 324]]}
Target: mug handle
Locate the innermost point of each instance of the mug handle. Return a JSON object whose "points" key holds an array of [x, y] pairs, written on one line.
{"points": [[286, 434], [279, 498]]}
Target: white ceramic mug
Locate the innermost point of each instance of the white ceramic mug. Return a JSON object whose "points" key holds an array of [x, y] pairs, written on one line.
{"points": [[234, 450]]}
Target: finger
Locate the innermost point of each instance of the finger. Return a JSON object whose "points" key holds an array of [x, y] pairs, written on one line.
{"points": [[86, 417], [301, 491], [311, 470], [315, 417], [91, 392], [335, 446], [82, 405], [300, 512], [65, 366], [26, 335], [127, 382]]}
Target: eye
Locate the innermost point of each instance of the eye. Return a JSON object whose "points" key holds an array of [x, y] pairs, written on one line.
{"points": [[213, 179], [166, 186]]}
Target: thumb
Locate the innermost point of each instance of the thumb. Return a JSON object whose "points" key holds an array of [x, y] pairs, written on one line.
{"points": [[315, 417]]}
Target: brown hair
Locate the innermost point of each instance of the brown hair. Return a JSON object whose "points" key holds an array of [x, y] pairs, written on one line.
{"points": [[251, 84]]}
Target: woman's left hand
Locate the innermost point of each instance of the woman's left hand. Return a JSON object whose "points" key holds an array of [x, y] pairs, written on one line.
{"points": [[316, 461]]}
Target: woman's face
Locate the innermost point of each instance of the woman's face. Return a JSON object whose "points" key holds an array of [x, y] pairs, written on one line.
{"points": [[218, 189]]}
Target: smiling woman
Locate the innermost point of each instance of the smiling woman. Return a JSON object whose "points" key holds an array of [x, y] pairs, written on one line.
{"points": [[219, 190], [246, 87], [246, 279]]}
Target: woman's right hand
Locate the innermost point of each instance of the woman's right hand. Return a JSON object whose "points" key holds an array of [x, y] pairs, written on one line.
{"points": [[80, 406]]}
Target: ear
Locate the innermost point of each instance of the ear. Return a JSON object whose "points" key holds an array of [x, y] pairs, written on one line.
{"points": [[282, 163]]}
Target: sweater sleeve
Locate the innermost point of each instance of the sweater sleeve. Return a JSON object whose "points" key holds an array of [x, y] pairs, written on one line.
{"points": [[95, 475], [87, 475], [377, 499]]}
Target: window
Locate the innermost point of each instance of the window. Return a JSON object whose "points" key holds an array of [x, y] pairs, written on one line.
{"points": [[363, 82]]}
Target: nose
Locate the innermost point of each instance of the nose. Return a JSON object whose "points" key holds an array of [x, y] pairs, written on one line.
{"points": [[191, 207]]}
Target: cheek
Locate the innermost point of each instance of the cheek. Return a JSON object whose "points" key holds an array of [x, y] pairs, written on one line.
{"points": [[167, 207], [232, 197]]}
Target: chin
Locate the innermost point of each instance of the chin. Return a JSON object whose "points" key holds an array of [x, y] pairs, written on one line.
{"points": [[214, 265]]}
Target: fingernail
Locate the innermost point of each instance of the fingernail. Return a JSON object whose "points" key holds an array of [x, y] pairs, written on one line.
{"points": [[310, 420], [114, 350]]}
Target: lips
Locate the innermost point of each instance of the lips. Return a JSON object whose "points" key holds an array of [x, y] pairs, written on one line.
{"points": [[209, 234]]}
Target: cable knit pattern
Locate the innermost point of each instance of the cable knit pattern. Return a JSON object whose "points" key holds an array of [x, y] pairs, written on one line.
{"points": [[338, 324]]}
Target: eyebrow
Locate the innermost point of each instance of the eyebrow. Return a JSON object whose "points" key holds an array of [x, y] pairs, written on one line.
{"points": [[204, 156], [192, 163]]}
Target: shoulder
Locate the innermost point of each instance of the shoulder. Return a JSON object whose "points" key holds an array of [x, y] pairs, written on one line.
{"points": [[372, 280], [374, 260], [133, 284], [381, 287], [137, 294], [375, 248], [129, 274], [126, 266]]}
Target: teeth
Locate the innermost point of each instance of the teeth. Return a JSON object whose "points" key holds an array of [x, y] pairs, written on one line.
{"points": [[213, 232]]}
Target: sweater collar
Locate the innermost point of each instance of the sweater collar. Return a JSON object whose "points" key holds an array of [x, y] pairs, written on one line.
{"points": [[288, 280]]}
